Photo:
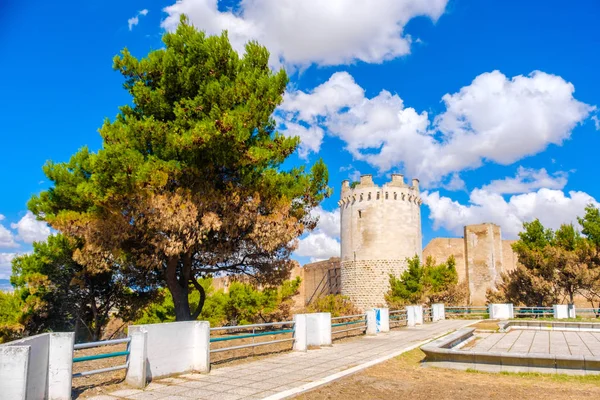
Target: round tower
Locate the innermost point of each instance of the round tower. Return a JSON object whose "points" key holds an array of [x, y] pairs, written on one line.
{"points": [[380, 229]]}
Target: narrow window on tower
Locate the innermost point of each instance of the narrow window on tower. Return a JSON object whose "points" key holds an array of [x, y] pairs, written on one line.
{"points": [[359, 214]]}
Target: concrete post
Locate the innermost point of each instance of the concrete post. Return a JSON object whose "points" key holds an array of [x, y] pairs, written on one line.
{"points": [[561, 311], [138, 355], [571, 309], [300, 343], [418, 315], [14, 365], [318, 329], [410, 316], [501, 311], [202, 347], [371, 323], [438, 312], [60, 365], [382, 318]]}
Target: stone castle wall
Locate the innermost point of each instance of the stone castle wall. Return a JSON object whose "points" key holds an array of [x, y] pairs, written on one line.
{"points": [[481, 257], [380, 229]]}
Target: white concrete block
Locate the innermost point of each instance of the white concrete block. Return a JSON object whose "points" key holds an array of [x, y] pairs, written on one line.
{"points": [[438, 312], [37, 370], [300, 332], [382, 319], [571, 311], [176, 347], [60, 365], [410, 316], [371, 323], [318, 329], [561, 311], [14, 363], [418, 310], [501, 311], [138, 354], [202, 347]]}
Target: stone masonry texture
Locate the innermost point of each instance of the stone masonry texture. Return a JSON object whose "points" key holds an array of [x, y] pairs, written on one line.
{"points": [[380, 229]]}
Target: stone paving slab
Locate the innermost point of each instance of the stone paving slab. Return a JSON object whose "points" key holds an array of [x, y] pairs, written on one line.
{"points": [[290, 371], [517, 341]]}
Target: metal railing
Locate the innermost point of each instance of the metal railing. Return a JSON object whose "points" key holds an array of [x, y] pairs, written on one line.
{"points": [[533, 312], [101, 356], [466, 311], [588, 312], [357, 322], [427, 315], [253, 334], [398, 318]]}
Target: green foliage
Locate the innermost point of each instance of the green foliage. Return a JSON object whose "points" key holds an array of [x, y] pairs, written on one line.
{"points": [[354, 184], [336, 304], [554, 266], [189, 181], [58, 294], [428, 283], [10, 313], [242, 304]]}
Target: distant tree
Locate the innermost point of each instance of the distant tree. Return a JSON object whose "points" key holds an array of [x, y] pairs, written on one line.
{"points": [[58, 294], [336, 304], [429, 283], [243, 304], [190, 180], [10, 313], [553, 266]]}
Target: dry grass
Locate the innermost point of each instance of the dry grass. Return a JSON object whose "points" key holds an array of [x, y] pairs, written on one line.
{"points": [[405, 378]]}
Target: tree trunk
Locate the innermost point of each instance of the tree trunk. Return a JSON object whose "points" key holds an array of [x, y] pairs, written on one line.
{"points": [[179, 291]]}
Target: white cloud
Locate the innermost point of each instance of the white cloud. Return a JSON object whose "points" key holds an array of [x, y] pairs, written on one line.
{"points": [[527, 180], [323, 242], [455, 183], [300, 33], [7, 238], [552, 207], [318, 246], [30, 229], [596, 122], [310, 138], [136, 20], [5, 264], [493, 119]]}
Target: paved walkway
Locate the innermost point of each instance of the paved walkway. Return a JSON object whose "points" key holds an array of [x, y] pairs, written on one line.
{"points": [[544, 342], [291, 373]]}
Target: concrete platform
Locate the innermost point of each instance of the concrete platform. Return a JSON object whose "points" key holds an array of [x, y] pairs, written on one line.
{"points": [[539, 342], [289, 374]]}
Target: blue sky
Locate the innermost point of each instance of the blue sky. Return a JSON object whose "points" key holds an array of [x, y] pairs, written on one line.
{"points": [[491, 104]]}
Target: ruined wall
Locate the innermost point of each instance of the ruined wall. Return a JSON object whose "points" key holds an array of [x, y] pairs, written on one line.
{"points": [[481, 256], [319, 279], [442, 248], [380, 229], [484, 255]]}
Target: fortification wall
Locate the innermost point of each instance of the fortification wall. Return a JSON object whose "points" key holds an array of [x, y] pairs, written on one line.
{"points": [[442, 248], [380, 229], [484, 255]]}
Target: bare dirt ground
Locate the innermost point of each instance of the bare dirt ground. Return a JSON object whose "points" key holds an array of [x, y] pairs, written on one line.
{"points": [[405, 378]]}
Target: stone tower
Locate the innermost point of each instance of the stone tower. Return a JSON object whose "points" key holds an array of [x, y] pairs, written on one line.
{"points": [[380, 229]]}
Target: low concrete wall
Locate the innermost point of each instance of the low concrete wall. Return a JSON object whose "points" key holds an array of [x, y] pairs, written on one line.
{"points": [[551, 325], [501, 311], [382, 319], [560, 311], [438, 312], [318, 329], [443, 353], [176, 347], [37, 367], [414, 315], [14, 362]]}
